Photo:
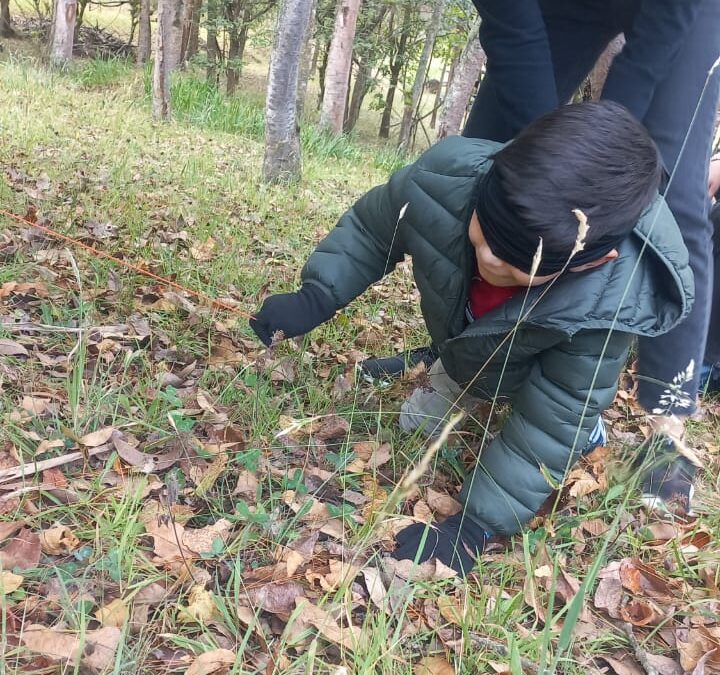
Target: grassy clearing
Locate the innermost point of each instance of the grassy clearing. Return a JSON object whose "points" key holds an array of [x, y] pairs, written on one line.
{"points": [[184, 200]]}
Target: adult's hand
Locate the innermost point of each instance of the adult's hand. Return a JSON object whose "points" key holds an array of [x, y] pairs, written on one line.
{"points": [[292, 313]]}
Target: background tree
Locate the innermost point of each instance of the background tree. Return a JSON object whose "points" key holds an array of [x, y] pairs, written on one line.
{"points": [[411, 109], [399, 40], [168, 38], [337, 74], [460, 86], [62, 33], [367, 53], [6, 29], [144, 33], [282, 138]]}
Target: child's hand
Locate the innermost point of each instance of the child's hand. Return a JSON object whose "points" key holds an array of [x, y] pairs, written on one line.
{"points": [[292, 313], [455, 542]]}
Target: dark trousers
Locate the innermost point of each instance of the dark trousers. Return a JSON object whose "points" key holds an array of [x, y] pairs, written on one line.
{"points": [[712, 349], [680, 119]]}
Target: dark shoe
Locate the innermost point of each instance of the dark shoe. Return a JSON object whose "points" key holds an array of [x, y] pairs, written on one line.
{"points": [[668, 484], [395, 366]]}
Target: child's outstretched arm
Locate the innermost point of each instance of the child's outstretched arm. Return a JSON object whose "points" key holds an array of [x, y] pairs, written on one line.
{"points": [[553, 415], [364, 246]]}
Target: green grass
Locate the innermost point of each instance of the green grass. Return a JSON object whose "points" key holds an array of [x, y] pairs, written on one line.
{"points": [[168, 188]]}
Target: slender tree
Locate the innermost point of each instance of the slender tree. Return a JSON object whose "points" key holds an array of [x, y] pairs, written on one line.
{"points": [[396, 63], [168, 39], [464, 76], [144, 33], [412, 105], [282, 138], [212, 45], [6, 29], [306, 61], [337, 74], [62, 34]]}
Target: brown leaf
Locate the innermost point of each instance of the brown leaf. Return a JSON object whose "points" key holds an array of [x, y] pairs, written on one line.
{"points": [[380, 456], [331, 427], [22, 551], [8, 529], [641, 613], [166, 537], [9, 582], [348, 637], [201, 606], [624, 665], [214, 662], [433, 665], [247, 485], [58, 541], [300, 552], [641, 579], [431, 570], [202, 540], [277, 598], [375, 586], [203, 251], [97, 438], [12, 348], [609, 595], [443, 505], [115, 613], [146, 462], [95, 649]]}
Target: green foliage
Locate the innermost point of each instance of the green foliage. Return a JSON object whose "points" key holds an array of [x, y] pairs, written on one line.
{"points": [[94, 73]]}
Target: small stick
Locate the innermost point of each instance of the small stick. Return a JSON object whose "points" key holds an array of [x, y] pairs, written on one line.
{"points": [[640, 654], [31, 468]]}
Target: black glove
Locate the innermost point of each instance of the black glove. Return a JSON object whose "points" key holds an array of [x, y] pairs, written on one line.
{"points": [[292, 313], [448, 541]]}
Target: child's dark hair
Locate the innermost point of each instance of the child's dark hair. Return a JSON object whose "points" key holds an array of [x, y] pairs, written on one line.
{"points": [[592, 156]]}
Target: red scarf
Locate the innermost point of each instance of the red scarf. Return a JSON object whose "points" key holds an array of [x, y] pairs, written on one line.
{"points": [[484, 297]]}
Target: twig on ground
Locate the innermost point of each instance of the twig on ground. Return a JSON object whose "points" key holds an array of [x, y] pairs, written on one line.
{"points": [[641, 656], [31, 468]]}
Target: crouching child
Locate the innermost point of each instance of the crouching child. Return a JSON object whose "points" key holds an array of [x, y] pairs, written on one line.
{"points": [[520, 302]]}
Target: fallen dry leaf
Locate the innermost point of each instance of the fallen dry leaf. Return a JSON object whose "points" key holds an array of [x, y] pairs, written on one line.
{"points": [[331, 427], [202, 540], [443, 505], [8, 529], [22, 551], [247, 485], [214, 662], [58, 541], [277, 598], [201, 606], [433, 665], [9, 582], [115, 613], [96, 649], [12, 348], [97, 438], [348, 637], [641, 613]]}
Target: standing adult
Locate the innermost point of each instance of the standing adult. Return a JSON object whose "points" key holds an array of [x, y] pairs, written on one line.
{"points": [[538, 52]]}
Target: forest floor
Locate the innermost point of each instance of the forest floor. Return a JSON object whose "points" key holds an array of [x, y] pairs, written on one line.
{"points": [[193, 503]]}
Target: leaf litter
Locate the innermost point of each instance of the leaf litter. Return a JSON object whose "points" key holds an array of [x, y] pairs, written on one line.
{"points": [[274, 511]]}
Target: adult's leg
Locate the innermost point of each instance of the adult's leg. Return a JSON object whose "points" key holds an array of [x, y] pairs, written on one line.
{"points": [[513, 92], [712, 348], [680, 120]]}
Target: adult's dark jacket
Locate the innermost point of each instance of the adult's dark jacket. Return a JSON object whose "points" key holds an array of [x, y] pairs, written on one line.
{"points": [[559, 368]]}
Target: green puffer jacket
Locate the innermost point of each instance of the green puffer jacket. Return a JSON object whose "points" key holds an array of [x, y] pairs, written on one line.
{"points": [[560, 368]]}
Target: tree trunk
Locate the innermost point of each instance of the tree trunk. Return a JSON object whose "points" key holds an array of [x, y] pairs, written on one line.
{"points": [[190, 8], [234, 19], [193, 44], [282, 138], [6, 29], [168, 39], [361, 88], [306, 61], [322, 69], [466, 73], [395, 68], [599, 73], [212, 46], [412, 106], [63, 31], [236, 49], [438, 95], [144, 34], [332, 113]]}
